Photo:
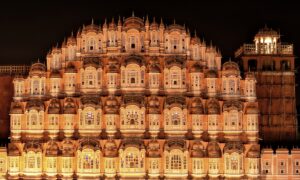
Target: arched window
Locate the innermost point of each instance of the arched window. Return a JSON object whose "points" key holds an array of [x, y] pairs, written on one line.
{"points": [[176, 161], [132, 160]]}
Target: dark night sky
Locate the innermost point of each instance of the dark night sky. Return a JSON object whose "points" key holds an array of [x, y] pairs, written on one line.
{"points": [[28, 30]]}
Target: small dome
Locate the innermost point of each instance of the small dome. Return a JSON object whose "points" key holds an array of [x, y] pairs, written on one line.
{"points": [[16, 109], [13, 150], [90, 28], [231, 147], [251, 108], [196, 68], [133, 22], [175, 27], [154, 68], [153, 149], [35, 105], [54, 107], [197, 150], [230, 68], [89, 144], [110, 149], [112, 68], [267, 32], [253, 152], [211, 74], [197, 106], [67, 148], [213, 106], [55, 74], [232, 105], [90, 101], [69, 106], [70, 68], [52, 149], [91, 62], [213, 150], [37, 69], [32, 146], [111, 105], [112, 25]]}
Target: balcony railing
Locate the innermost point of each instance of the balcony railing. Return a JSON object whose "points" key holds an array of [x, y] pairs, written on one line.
{"points": [[251, 49]]}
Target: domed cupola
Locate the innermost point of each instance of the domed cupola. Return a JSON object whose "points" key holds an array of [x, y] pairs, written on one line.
{"points": [[69, 106], [253, 152], [16, 108], [37, 69], [133, 23], [111, 105], [213, 106], [197, 150], [54, 107], [213, 150], [196, 68], [52, 149], [154, 68], [153, 149], [90, 28], [70, 68], [196, 106], [55, 74], [32, 146], [13, 150], [35, 105], [230, 68], [231, 147], [211, 74], [67, 148], [110, 149], [232, 105], [90, 101]]}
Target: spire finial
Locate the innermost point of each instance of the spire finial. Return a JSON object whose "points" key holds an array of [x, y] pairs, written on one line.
{"points": [[119, 21], [132, 14], [174, 21], [195, 33], [92, 21], [229, 59], [72, 34], [38, 60]]}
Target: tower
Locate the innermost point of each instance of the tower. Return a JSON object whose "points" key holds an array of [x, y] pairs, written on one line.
{"points": [[272, 62]]}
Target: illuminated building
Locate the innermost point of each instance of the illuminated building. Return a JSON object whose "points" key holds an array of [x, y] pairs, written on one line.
{"points": [[133, 99]]}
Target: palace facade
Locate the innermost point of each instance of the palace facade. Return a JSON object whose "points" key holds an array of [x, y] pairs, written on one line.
{"points": [[135, 100]]}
